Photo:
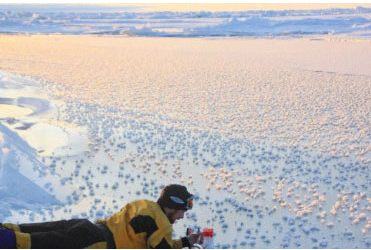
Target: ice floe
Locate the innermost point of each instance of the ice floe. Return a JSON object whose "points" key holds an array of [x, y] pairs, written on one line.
{"points": [[110, 21]]}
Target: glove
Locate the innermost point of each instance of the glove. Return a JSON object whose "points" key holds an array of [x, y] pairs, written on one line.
{"points": [[196, 238]]}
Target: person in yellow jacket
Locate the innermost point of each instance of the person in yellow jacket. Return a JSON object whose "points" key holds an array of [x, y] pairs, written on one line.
{"points": [[140, 224]]}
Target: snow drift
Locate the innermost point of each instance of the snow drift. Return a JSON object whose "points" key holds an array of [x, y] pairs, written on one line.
{"points": [[20, 172]]}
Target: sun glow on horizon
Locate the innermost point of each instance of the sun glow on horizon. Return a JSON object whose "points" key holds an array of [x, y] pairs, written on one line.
{"points": [[185, 7]]}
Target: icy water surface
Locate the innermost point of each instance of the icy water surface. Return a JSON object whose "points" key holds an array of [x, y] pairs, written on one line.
{"points": [[276, 152], [24, 109]]}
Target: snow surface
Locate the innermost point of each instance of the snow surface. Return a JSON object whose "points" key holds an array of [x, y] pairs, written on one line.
{"points": [[123, 21], [273, 136]]}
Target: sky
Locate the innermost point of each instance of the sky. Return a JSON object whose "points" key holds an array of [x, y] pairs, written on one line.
{"points": [[245, 6], [194, 6]]}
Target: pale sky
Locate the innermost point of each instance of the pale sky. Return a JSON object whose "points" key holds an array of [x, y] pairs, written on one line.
{"points": [[204, 6], [246, 6]]}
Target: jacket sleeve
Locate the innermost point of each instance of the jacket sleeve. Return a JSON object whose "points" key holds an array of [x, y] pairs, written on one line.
{"points": [[162, 240], [181, 243]]}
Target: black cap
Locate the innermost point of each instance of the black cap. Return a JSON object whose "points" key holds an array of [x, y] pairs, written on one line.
{"points": [[176, 197]]}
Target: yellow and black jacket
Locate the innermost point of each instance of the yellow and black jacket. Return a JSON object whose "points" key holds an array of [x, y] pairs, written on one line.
{"points": [[142, 224], [75, 233]]}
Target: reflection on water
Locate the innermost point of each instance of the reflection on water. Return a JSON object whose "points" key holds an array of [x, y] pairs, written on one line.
{"points": [[23, 110], [13, 111], [37, 105], [56, 139]]}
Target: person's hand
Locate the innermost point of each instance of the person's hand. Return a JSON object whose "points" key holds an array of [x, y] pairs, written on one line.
{"points": [[196, 238]]}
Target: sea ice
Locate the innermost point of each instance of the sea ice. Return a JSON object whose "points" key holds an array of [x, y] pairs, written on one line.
{"points": [[274, 148]]}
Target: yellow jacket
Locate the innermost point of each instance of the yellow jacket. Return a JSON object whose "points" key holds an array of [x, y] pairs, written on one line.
{"points": [[142, 224]]}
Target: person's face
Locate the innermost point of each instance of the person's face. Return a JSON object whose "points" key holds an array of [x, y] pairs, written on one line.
{"points": [[173, 214]]}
